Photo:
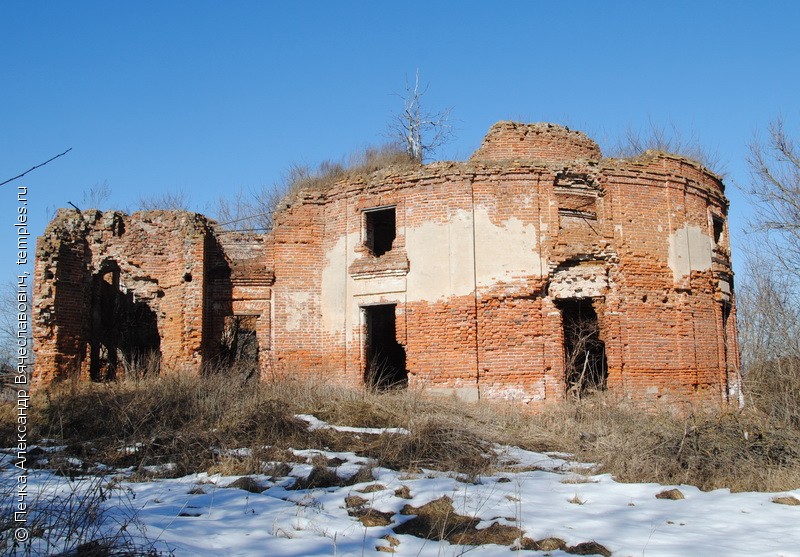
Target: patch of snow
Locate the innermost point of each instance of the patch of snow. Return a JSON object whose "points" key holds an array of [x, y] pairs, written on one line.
{"points": [[315, 423]]}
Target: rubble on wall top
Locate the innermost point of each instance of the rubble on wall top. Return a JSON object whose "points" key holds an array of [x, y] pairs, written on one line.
{"points": [[539, 142]]}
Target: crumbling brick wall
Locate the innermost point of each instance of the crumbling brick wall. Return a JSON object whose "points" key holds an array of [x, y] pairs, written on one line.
{"points": [[461, 278], [113, 289], [487, 251]]}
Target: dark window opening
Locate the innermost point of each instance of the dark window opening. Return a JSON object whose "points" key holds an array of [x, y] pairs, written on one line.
{"points": [[385, 357], [240, 344], [123, 331], [586, 369], [381, 230], [719, 226]]}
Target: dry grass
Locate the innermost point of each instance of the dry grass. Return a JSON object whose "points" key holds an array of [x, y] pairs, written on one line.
{"points": [[361, 163], [196, 422], [743, 451]]}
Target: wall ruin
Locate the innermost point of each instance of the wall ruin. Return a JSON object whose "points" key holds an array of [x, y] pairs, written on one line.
{"points": [[482, 271]]}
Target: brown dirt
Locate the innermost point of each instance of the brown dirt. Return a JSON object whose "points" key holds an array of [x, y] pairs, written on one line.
{"points": [[438, 520], [372, 488], [248, 484], [371, 517], [674, 494], [403, 492]]}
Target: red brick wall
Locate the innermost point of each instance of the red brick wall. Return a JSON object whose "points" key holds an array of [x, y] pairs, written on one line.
{"points": [[535, 143], [483, 252], [663, 332], [160, 256]]}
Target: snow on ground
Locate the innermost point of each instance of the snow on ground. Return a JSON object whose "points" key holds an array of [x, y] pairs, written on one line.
{"points": [[544, 495]]}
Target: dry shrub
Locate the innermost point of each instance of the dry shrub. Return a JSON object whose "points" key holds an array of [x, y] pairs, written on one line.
{"points": [[87, 518], [8, 423], [635, 143], [588, 548], [773, 387], [188, 421], [193, 422], [435, 444], [320, 477], [370, 517]]}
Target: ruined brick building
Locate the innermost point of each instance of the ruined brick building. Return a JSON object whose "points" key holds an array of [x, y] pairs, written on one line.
{"points": [[533, 269]]}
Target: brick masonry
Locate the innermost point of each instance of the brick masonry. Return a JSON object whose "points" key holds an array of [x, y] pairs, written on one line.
{"points": [[484, 254]]}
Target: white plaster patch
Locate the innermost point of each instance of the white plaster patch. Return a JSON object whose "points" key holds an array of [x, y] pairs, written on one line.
{"points": [[447, 259], [296, 310], [516, 394], [689, 250], [505, 252], [465, 394], [441, 258], [334, 286], [379, 285]]}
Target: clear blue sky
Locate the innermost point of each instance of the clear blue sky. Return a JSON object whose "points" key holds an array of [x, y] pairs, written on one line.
{"points": [[209, 97]]}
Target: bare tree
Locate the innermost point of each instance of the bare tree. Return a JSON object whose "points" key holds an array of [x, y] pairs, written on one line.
{"points": [[252, 210], [8, 321], [248, 210], [9, 328], [775, 185], [768, 300], [97, 196], [421, 132]]}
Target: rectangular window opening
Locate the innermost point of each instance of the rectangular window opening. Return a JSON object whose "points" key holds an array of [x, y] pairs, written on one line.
{"points": [[385, 357], [381, 230], [718, 224]]}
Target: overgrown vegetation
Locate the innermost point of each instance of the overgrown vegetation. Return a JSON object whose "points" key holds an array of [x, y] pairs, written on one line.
{"points": [[769, 297], [252, 210], [196, 423], [635, 142]]}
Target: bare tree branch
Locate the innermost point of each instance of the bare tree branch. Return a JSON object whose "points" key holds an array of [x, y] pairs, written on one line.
{"points": [[419, 131], [668, 139], [775, 185]]}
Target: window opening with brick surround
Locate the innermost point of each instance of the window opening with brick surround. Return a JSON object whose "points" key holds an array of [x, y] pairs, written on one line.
{"points": [[585, 365], [124, 331], [240, 343], [385, 357], [380, 230], [718, 224]]}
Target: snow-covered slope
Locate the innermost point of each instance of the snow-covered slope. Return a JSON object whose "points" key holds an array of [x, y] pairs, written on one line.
{"points": [[543, 495]]}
